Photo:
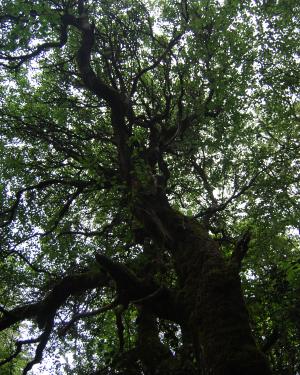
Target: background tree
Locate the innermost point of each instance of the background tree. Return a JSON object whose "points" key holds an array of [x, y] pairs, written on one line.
{"points": [[146, 149]]}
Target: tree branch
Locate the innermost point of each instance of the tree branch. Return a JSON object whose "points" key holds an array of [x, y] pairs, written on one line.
{"points": [[86, 314], [170, 45], [43, 340], [42, 310], [28, 262], [41, 48], [40, 186], [18, 350], [210, 211], [120, 326], [202, 174], [271, 340], [241, 249], [90, 79], [160, 300]]}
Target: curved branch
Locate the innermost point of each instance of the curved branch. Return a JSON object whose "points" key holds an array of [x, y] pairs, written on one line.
{"points": [[90, 79], [18, 314], [88, 233], [28, 262], [41, 48], [118, 102]]}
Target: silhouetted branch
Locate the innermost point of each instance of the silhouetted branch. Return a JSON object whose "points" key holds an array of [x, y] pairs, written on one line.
{"points": [[41, 311], [170, 45], [241, 249], [131, 289], [120, 326], [21, 59], [18, 350], [11, 212], [271, 340], [43, 340], [202, 174], [210, 211], [86, 314], [27, 261]]}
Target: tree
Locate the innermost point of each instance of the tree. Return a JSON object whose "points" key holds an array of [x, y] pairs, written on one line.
{"points": [[147, 148]]}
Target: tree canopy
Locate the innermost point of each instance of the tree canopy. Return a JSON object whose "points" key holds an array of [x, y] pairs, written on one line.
{"points": [[149, 187]]}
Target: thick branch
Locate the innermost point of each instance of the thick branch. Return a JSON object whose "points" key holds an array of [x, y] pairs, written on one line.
{"points": [[241, 249], [43, 340], [161, 301], [129, 286], [90, 79], [154, 355], [120, 326], [40, 311], [118, 102]]}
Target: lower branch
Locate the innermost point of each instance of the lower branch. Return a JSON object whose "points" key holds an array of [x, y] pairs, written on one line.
{"points": [[156, 358], [44, 311]]}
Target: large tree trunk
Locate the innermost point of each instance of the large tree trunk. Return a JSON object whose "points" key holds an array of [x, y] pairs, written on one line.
{"points": [[210, 290]]}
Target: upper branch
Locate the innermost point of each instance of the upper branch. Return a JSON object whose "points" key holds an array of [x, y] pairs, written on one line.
{"points": [[90, 79], [118, 102], [169, 47], [202, 174], [21, 59], [241, 249], [208, 213], [11, 212]]}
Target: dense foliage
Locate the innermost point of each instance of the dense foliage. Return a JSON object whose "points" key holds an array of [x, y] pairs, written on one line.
{"points": [[125, 126]]}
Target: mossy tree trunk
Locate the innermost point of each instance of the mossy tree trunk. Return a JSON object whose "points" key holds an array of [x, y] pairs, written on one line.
{"points": [[209, 289]]}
